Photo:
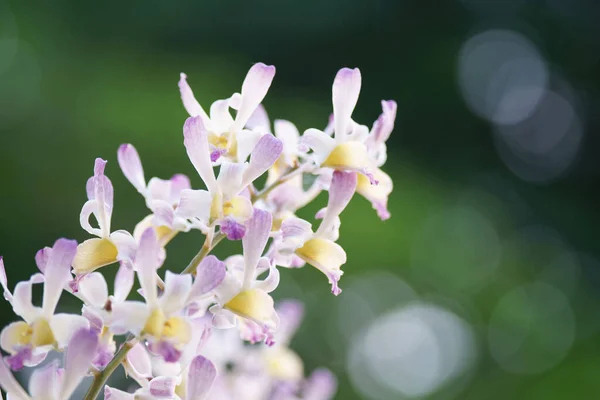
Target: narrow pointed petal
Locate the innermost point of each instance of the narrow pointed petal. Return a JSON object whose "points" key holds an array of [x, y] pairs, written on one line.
{"points": [[267, 151], [220, 117], [94, 289], [131, 165], [254, 89], [196, 144], [4, 282], [103, 195], [123, 281], [57, 273], [346, 88], [341, 190], [139, 361], [259, 120], [10, 384], [384, 125], [271, 282], [146, 264], [254, 242], [177, 290], [45, 381], [78, 359], [209, 274], [189, 101], [201, 376], [41, 258], [22, 304]]}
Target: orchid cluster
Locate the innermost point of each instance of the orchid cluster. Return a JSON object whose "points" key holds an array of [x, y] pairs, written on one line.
{"points": [[211, 331]]}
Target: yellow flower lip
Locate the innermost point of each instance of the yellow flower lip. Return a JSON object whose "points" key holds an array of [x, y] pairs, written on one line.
{"points": [[350, 155], [252, 304], [93, 254], [174, 328]]}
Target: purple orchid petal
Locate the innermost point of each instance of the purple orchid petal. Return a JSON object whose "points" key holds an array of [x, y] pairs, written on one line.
{"points": [[41, 258], [57, 273], [166, 350], [189, 101], [78, 358], [196, 145], [201, 376], [163, 387], [233, 230], [131, 165], [346, 88], [18, 360], [209, 274], [265, 153]]}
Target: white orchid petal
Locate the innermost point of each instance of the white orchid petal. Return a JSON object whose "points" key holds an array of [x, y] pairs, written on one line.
{"points": [[131, 165], [345, 91]]}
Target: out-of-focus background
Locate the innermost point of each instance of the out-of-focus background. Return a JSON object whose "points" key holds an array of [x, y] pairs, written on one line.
{"points": [[485, 282]]}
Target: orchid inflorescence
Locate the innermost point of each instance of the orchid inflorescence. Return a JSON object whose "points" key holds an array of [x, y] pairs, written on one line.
{"points": [[186, 338]]}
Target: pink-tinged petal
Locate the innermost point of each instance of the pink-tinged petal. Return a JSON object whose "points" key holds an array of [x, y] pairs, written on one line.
{"points": [[125, 243], [289, 136], [129, 316], [196, 144], [166, 350], [63, 327], [164, 215], [327, 256], [138, 362], [233, 229], [158, 189], [321, 385], [78, 358], [194, 204], [291, 313], [346, 88], [22, 304], [189, 101], [254, 89], [41, 258], [259, 120], [94, 289], [4, 282], [254, 242], [267, 151], [146, 264], [179, 182], [123, 281], [163, 387], [377, 194], [116, 394], [103, 194], [295, 232], [230, 178], [45, 381], [131, 165], [223, 319], [10, 384], [57, 273], [20, 359], [384, 125], [177, 290], [220, 117], [271, 282], [201, 376], [341, 190], [87, 210], [320, 143], [246, 142], [209, 274], [94, 318]]}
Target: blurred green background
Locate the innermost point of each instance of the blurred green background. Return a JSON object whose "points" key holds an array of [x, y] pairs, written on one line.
{"points": [[483, 285]]}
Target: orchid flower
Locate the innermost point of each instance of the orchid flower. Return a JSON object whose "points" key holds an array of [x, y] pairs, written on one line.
{"points": [[345, 151], [93, 291], [41, 330], [241, 297], [51, 382], [162, 196], [160, 320], [319, 248], [224, 203], [226, 137], [108, 247]]}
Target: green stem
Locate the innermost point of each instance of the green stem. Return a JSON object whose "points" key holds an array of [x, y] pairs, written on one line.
{"points": [[206, 248], [263, 193], [101, 377]]}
